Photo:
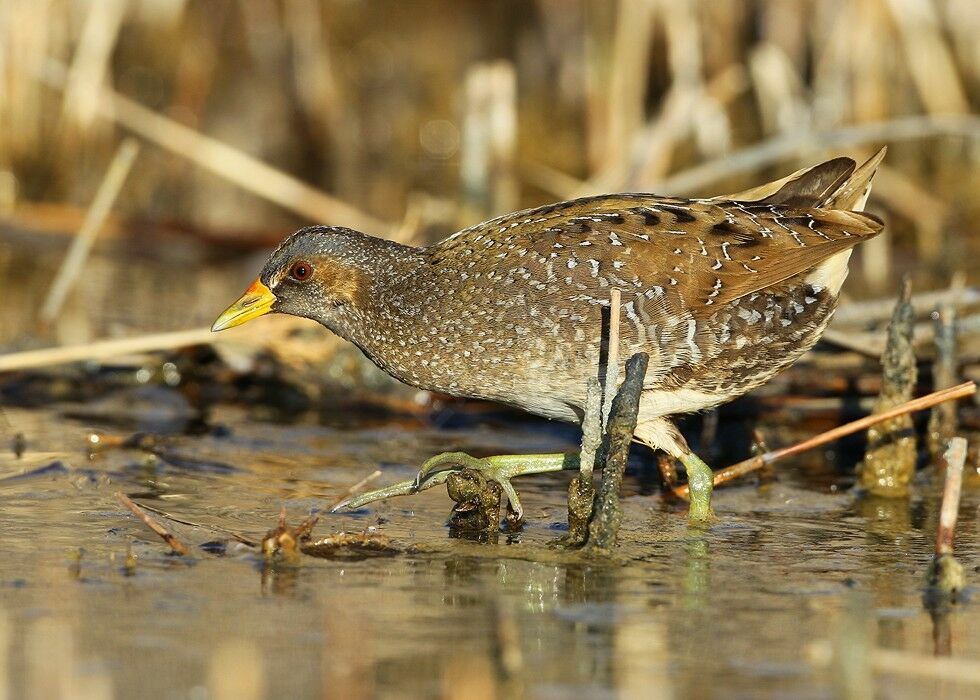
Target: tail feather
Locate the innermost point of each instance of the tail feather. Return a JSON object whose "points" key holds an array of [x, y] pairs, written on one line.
{"points": [[834, 184], [853, 194]]}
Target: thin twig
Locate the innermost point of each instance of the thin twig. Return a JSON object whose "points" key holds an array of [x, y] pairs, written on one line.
{"points": [[96, 216], [356, 487], [216, 528], [591, 432], [754, 463], [174, 543], [612, 354]]}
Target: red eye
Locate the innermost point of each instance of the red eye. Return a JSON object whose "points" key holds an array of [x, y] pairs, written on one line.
{"points": [[301, 271]]}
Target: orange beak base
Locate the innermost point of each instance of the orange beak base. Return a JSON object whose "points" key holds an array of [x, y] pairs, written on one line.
{"points": [[256, 301]]}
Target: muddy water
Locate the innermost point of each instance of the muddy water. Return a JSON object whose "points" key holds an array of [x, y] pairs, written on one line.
{"points": [[734, 611]]}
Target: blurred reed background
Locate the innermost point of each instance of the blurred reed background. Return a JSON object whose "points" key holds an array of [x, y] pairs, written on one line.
{"points": [[413, 119]]}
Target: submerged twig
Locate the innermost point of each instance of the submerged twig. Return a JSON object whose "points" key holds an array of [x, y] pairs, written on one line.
{"points": [[174, 543], [755, 463]]}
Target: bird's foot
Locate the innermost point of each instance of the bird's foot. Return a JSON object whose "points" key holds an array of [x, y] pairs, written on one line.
{"points": [[700, 479], [500, 469]]}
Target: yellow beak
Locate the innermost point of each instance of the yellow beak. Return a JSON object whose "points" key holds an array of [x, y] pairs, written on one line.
{"points": [[256, 301]]}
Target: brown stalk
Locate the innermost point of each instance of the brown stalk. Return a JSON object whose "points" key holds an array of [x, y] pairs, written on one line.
{"points": [[754, 463], [174, 543]]}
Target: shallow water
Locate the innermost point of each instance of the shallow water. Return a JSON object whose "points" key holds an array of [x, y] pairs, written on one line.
{"points": [[732, 611]]}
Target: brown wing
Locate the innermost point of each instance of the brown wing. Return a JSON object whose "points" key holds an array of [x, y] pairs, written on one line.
{"points": [[697, 254]]}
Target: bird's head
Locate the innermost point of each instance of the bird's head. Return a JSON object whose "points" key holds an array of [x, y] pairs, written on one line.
{"points": [[315, 273]]}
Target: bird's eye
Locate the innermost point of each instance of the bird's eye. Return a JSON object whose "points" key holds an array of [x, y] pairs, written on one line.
{"points": [[301, 271]]}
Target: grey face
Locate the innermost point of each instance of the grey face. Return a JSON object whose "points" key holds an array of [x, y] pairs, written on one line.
{"points": [[310, 273]]}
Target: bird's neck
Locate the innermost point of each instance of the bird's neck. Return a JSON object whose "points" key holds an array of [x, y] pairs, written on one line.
{"points": [[392, 279]]}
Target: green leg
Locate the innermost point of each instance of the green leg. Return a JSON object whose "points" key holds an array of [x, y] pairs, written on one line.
{"points": [[699, 481], [501, 469]]}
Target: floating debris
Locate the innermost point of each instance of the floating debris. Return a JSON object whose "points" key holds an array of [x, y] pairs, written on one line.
{"points": [[889, 461]]}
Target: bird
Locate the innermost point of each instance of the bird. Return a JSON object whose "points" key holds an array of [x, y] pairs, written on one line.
{"points": [[722, 293]]}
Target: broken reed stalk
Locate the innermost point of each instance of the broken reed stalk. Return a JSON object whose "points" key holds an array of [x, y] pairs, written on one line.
{"points": [[946, 577], [612, 354], [174, 543], [598, 404], [955, 458], [890, 455], [604, 526], [356, 487], [592, 425], [95, 217], [755, 463], [581, 490]]}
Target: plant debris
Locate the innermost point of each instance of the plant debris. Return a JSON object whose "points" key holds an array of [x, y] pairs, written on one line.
{"points": [[348, 546], [283, 542]]}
